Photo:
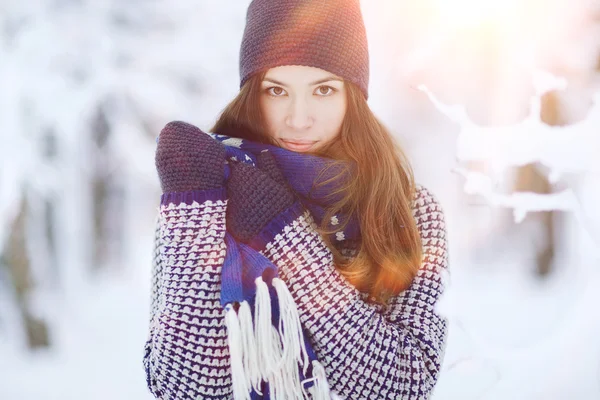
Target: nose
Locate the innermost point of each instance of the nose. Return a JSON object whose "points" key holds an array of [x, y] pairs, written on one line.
{"points": [[299, 117]]}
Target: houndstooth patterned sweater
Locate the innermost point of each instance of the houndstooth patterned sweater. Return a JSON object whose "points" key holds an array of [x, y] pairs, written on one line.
{"points": [[368, 352]]}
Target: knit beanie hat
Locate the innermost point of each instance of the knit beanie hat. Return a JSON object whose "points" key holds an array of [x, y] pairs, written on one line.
{"points": [[326, 34]]}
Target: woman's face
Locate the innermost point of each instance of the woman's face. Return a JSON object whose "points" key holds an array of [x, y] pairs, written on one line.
{"points": [[303, 106]]}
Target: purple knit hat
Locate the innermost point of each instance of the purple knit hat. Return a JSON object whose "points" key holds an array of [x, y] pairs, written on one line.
{"points": [[326, 34]]}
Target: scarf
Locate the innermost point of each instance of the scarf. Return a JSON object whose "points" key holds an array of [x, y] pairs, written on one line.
{"points": [[271, 356]]}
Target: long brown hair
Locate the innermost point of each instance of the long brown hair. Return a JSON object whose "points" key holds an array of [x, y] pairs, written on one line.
{"points": [[379, 192]]}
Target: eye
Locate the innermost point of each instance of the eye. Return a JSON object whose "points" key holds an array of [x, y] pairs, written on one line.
{"points": [[325, 90], [275, 91]]}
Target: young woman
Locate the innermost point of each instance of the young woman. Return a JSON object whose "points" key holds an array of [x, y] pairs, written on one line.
{"points": [[295, 255]]}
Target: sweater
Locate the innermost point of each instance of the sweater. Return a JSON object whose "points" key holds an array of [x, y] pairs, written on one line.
{"points": [[367, 351]]}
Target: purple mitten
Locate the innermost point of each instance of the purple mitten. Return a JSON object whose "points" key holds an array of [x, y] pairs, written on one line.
{"points": [[254, 199], [188, 159], [267, 163]]}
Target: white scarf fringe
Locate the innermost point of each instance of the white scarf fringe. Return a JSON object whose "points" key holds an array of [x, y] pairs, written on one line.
{"points": [[259, 351], [320, 390], [234, 338], [250, 355]]}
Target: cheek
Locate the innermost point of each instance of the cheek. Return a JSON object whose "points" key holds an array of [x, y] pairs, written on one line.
{"points": [[270, 115], [332, 116]]}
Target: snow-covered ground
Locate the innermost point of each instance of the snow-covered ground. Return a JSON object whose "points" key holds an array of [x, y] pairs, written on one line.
{"points": [[512, 335], [96, 353]]}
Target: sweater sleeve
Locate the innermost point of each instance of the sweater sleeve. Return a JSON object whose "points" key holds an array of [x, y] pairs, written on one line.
{"points": [[368, 352], [156, 275], [186, 354]]}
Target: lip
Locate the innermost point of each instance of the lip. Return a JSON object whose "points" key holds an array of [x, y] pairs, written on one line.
{"points": [[298, 145]]}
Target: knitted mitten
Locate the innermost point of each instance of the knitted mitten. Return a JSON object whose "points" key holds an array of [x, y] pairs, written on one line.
{"points": [[186, 354], [267, 163], [188, 159], [255, 197]]}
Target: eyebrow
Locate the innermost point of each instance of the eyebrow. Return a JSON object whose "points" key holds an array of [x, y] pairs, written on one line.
{"points": [[327, 79]]}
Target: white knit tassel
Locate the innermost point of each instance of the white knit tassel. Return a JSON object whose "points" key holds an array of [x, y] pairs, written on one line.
{"points": [[292, 336], [234, 338], [280, 351], [249, 351], [275, 376], [285, 379], [292, 383], [320, 390], [263, 330]]}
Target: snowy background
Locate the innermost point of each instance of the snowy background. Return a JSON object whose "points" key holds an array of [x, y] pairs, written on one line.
{"points": [[496, 103]]}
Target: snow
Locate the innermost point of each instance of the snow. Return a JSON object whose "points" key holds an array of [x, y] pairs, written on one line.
{"points": [[512, 334], [96, 352]]}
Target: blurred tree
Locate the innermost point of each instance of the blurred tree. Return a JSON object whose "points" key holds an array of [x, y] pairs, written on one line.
{"points": [[107, 194], [15, 255]]}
